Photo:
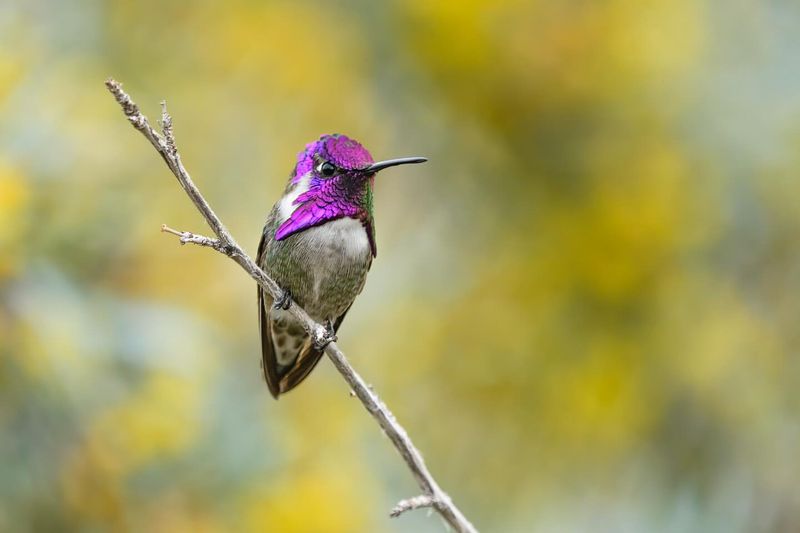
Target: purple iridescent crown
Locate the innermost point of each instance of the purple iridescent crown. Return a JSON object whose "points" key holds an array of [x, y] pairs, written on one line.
{"points": [[340, 150]]}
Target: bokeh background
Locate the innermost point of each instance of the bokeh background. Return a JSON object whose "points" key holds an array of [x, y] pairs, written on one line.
{"points": [[584, 307]]}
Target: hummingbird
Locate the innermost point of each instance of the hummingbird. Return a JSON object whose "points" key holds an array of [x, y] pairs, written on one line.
{"points": [[318, 244]]}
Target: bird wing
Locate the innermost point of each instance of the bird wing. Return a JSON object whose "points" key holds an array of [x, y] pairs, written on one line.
{"points": [[269, 364]]}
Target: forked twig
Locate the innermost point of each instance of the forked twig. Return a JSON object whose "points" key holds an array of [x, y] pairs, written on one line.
{"points": [[432, 495]]}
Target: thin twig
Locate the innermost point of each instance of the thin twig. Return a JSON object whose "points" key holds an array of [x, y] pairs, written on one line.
{"points": [[200, 240], [433, 496], [417, 502]]}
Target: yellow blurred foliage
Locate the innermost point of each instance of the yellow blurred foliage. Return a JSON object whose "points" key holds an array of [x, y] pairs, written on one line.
{"points": [[584, 307], [14, 198], [160, 419], [600, 398], [316, 500]]}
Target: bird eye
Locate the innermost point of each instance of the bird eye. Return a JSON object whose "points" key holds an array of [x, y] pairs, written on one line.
{"points": [[326, 169]]}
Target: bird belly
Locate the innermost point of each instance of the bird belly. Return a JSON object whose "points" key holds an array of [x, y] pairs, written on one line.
{"points": [[324, 267]]}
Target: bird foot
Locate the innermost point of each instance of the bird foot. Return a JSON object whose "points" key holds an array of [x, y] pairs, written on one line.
{"points": [[284, 301], [324, 336]]}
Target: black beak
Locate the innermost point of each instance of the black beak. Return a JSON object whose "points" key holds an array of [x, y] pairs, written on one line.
{"points": [[380, 165]]}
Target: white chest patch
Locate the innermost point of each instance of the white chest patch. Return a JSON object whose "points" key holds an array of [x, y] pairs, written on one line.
{"points": [[345, 236], [287, 207]]}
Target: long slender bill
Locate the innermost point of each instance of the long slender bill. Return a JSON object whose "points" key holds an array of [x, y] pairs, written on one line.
{"points": [[380, 165]]}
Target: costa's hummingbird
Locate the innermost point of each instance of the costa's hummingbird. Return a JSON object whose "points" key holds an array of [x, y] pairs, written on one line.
{"points": [[318, 245]]}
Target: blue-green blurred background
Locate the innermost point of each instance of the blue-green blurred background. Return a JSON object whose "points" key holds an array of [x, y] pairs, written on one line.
{"points": [[584, 307]]}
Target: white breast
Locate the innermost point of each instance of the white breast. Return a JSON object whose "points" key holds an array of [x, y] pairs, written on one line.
{"points": [[345, 236], [287, 207]]}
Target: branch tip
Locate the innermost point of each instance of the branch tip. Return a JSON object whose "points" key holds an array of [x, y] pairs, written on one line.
{"points": [[128, 106], [167, 229], [187, 237], [166, 129], [417, 502]]}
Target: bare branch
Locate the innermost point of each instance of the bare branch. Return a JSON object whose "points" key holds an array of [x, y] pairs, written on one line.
{"points": [[417, 502], [200, 240], [433, 496]]}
